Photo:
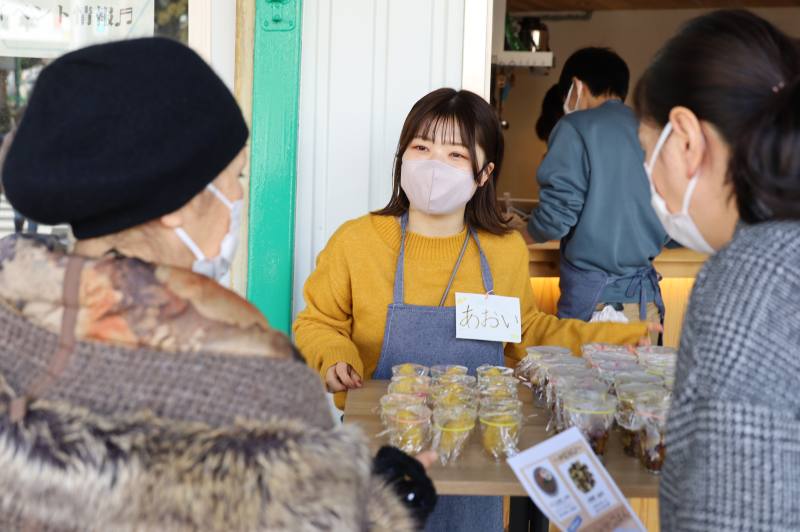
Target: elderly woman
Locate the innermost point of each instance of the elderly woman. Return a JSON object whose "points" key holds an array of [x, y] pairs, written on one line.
{"points": [[137, 393]]}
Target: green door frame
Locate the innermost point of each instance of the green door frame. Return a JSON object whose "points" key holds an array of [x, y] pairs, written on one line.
{"points": [[273, 159]]}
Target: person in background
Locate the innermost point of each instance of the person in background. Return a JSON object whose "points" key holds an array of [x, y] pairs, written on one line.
{"points": [[19, 219], [552, 111], [136, 391], [593, 196], [383, 291], [720, 122]]}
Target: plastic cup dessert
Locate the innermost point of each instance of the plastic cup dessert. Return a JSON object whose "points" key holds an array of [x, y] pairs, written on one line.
{"points": [[410, 385], [409, 370], [500, 431], [629, 395], [593, 414], [391, 402], [451, 430], [439, 371], [409, 428], [653, 417], [449, 394], [500, 387]]}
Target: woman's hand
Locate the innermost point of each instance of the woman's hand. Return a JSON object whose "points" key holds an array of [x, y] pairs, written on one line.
{"points": [[342, 377], [427, 458], [645, 341]]}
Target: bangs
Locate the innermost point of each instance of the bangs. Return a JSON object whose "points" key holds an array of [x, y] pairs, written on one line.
{"points": [[446, 128]]}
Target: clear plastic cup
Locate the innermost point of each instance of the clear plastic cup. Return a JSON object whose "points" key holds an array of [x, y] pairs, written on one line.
{"points": [[410, 370], [593, 414], [450, 394], [653, 418], [487, 370], [540, 376], [409, 428], [438, 371], [598, 347], [630, 395], [410, 385], [544, 350], [638, 376], [565, 385], [465, 380], [500, 431], [498, 405], [451, 430], [391, 402], [502, 387]]}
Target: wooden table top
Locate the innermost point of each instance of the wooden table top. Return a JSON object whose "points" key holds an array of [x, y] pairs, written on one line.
{"points": [[475, 473]]}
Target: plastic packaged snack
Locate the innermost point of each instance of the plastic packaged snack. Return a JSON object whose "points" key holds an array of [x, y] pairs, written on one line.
{"points": [[502, 387], [638, 376], [391, 402], [500, 429], [593, 414], [653, 417], [409, 428], [629, 395], [449, 394], [409, 370], [410, 385], [439, 371], [451, 430], [565, 385], [487, 371]]}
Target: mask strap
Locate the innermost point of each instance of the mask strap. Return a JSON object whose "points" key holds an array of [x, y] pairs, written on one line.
{"points": [[660, 144], [189, 243], [687, 198], [220, 196]]}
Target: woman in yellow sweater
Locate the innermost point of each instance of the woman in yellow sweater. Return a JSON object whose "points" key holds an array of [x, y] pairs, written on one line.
{"points": [[441, 233]]}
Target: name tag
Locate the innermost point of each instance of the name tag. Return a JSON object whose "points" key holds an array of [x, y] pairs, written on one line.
{"points": [[488, 317]]}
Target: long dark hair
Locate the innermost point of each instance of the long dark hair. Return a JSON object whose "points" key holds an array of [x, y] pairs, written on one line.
{"points": [[442, 111], [740, 73]]}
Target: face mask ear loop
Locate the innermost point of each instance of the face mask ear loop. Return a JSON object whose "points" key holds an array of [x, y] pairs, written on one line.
{"points": [[220, 196], [198, 254], [662, 139]]}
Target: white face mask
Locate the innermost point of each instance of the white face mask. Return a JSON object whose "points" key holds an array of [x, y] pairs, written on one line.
{"points": [[434, 187], [567, 109], [218, 267], [679, 226]]}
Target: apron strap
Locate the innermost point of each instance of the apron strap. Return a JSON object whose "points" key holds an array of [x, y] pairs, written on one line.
{"points": [[399, 275], [638, 282]]}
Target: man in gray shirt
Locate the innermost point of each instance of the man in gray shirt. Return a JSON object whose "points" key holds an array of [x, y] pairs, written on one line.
{"points": [[594, 197]]}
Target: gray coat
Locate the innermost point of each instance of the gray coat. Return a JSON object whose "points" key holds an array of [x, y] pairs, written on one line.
{"points": [[733, 441]]}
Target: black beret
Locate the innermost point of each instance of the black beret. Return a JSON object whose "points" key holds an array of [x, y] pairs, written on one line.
{"points": [[119, 134]]}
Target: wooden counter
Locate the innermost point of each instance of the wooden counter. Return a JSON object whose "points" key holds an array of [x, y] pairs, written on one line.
{"points": [[477, 474], [679, 262]]}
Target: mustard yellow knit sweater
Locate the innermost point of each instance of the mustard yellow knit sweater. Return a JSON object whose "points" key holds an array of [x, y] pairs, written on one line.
{"points": [[348, 294]]}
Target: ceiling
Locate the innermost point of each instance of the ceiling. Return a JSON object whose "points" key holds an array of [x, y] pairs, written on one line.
{"points": [[599, 5]]}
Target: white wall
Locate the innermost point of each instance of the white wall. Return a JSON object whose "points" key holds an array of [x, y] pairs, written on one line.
{"points": [[364, 64]]}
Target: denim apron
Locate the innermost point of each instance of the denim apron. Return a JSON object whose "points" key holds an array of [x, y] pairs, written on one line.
{"points": [[581, 290], [427, 335]]}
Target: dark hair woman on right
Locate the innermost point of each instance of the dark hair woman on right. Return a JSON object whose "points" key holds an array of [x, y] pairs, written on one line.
{"points": [[720, 112]]}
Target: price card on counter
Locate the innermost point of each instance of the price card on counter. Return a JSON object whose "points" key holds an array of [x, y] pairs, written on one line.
{"points": [[572, 488], [488, 317]]}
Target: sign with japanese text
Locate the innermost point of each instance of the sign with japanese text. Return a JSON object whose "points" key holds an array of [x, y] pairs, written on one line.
{"points": [[488, 317], [572, 488], [49, 28]]}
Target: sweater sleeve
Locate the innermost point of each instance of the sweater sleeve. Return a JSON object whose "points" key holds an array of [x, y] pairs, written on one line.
{"points": [[539, 328], [323, 330], [563, 180]]}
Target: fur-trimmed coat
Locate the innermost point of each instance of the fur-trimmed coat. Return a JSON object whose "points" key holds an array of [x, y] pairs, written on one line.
{"points": [[179, 409]]}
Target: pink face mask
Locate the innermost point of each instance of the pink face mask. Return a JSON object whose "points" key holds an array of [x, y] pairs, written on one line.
{"points": [[434, 187]]}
